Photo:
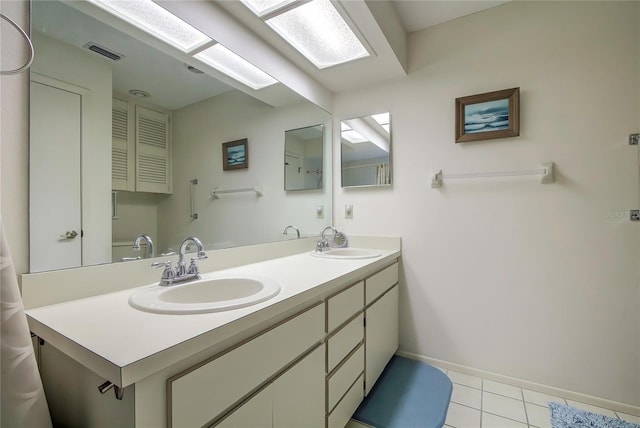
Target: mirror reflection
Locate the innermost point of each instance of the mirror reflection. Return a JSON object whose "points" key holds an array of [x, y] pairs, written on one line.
{"points": [[365, 146], [303, 166], [162, 152]]}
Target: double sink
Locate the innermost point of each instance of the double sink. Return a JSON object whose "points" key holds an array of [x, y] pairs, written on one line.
{"points": [[215, 292]]}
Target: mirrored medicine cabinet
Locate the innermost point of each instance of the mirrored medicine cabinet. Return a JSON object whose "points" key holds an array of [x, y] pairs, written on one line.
{"points": [[365, 151]]}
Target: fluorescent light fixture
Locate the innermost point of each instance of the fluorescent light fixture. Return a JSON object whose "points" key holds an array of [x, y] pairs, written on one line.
{"points": [[314, 28], [262, 7], [222, 59], [157, 21]]}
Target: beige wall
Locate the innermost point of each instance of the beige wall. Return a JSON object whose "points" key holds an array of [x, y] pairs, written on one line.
{"points": [[14, 131], [537, 282]]}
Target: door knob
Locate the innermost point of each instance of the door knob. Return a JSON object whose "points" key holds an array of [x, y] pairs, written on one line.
{"points": [[69, 234]]}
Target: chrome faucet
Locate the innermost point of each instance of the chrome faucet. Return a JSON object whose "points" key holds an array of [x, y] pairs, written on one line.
{"points": [[150, 250], [286, 229], [181, 273], [338, 240], [181, 269], [323, 243]]}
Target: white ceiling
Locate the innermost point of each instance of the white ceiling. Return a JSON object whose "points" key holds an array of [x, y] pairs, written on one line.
{"points": [[383, 24], [420, 14]]}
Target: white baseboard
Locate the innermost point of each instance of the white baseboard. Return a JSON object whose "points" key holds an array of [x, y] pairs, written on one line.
{"points": [[550, 390]]}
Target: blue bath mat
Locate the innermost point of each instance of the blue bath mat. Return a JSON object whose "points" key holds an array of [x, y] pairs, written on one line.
{"points": [[407, 394], [569, 417]]}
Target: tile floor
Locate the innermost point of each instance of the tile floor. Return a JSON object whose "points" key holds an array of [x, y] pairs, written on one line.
{"points": [[481, 403]]}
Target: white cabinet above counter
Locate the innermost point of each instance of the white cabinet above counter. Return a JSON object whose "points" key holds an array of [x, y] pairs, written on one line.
{"points": [[131, 347]]}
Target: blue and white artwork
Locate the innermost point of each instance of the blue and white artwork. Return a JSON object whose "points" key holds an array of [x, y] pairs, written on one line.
{"points": [[236, 155], [488, 116]]}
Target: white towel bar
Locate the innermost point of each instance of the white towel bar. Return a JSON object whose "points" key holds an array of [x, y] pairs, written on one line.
{"points": [[258, 189], [545, 170]]}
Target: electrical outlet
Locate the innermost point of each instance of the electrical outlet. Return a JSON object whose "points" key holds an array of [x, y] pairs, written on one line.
{"points": [[348, 211]]}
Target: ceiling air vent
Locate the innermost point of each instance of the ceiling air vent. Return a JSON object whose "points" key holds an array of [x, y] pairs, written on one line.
{"points": [[103, 51]]}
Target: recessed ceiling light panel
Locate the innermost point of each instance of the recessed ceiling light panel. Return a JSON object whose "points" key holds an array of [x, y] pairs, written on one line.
{"points": [[314, 28], [224, 60], [152, 18], [262, 7]]}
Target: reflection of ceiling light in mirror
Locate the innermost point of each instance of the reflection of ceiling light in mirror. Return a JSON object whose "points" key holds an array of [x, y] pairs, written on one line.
{"points": [[152, 18], [363, 127], [222, 59], [314, 28], [382, 118], [353, 137]]}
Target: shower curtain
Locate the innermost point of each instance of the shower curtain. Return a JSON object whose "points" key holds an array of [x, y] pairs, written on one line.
{"points": [[382, 174], [23, 400]]}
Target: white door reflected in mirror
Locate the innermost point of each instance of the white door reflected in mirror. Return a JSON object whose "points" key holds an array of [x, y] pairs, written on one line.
{"points": [[365, 148]]}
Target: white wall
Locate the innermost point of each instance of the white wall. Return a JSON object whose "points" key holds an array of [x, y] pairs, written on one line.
{"points": [[538, 282], [71, 65], [238, 219], [14, 136]]}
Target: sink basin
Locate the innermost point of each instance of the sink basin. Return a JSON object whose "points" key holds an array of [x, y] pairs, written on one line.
{"points": [[209, 294], [346, 253]]}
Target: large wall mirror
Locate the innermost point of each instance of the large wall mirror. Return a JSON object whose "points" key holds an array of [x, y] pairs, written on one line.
{"points": [[303, 158], [365, 151], [194, 107]]}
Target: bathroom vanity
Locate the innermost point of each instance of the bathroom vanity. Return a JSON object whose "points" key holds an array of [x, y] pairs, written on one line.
{"points": [[305, 357]]}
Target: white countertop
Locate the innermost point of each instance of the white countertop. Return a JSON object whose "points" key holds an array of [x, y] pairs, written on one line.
{"points": [[124, 344]]}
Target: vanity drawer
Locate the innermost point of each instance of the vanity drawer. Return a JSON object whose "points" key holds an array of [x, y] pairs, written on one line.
{"points": [[340, 381], [198, 395], [344, 305], [344, 341], [345, 409], [381, 282]]}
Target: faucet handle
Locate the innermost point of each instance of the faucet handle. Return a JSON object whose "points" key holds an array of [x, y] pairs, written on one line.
{"points": [[193, 267], [166, 264], [168, 274]]}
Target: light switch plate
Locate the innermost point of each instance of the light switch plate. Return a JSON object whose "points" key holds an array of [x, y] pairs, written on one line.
{"points": [[319, 211], [348, 211]]}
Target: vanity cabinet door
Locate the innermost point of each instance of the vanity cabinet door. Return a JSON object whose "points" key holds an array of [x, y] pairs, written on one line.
{"points": [[255, 413], [294, 400], [381, 335], [201, 394], [299, 394]]}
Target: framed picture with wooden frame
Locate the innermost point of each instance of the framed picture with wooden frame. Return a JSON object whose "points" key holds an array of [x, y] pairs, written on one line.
{"points": [[235, 155], [488, 116]]}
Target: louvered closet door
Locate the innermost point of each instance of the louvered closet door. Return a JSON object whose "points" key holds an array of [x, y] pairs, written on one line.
{"points": [[123, 150], [153, 151]]}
